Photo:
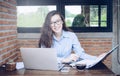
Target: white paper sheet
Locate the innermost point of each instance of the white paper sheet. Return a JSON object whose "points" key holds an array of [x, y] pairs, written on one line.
{"points": [[19, 65]]}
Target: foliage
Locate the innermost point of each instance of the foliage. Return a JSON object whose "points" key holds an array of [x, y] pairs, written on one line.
{"points": [[79, 21], [32, 19]]}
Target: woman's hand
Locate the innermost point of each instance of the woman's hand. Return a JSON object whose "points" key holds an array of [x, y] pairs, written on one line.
{"points": [[72, 57]]}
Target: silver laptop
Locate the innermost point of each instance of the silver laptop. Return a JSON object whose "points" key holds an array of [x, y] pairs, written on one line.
{"points": [[39, 58]]}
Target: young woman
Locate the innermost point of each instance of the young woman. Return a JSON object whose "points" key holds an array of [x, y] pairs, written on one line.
{"points": [[56, 35]]}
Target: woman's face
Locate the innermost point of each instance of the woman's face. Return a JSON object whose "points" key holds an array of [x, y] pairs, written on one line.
{"points": [[56, 23]]}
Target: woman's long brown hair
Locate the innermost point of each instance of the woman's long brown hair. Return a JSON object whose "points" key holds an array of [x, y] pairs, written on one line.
{"points": [[47, 33]]}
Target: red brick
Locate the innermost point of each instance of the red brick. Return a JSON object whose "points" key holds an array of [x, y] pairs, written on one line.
{"points": [[7, 10], [11, 1], [8, 5], [14, 32], [11, 27], [8, 16], [8, 33], [6, 22], [2, 40]]}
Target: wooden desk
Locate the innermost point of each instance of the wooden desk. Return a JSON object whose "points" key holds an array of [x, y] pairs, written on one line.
{"points": [[98, 70]]}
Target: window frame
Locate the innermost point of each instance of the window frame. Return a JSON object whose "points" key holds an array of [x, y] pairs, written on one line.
{"points": [[60, 5]]}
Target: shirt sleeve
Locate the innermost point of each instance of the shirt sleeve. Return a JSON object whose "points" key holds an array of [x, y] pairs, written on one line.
{"points": [[76, 47]]}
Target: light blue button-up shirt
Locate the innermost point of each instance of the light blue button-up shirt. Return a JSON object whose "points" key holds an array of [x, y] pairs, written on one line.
{"points": [[68, 43]]}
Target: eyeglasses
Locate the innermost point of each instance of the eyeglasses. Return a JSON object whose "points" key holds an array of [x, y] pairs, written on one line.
{"points": [[56, 22]]}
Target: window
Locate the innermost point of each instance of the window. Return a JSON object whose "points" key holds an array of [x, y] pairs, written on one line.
{"points": [[80, 15], [85, 16], [32, 16]]}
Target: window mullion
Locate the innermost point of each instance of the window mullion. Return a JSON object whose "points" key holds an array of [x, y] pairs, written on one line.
{"points": [[99, 15]]}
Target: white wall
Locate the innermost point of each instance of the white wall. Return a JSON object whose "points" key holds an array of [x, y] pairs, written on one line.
{"points": [[116, 39]]}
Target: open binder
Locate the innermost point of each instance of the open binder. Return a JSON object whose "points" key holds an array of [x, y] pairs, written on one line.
{"points": [[91, 63]]}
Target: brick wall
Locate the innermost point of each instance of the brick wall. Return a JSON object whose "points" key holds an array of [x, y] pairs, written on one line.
{"points": [[8, 31], [93, 46]]}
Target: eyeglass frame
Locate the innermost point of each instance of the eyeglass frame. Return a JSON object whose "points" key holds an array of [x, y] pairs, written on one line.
{"points": [[57, 22]]}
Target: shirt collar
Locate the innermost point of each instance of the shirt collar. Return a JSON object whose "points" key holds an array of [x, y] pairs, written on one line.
{"points": [[64, 35]]}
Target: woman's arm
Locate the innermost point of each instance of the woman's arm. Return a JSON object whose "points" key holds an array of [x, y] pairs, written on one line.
{"points": [[79, 50]]}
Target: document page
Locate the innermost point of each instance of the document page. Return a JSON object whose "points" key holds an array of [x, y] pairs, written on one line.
{"points": [[90, 63]]}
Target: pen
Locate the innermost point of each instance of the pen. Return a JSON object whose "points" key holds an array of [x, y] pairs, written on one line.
{"points": [[61, 67]]}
